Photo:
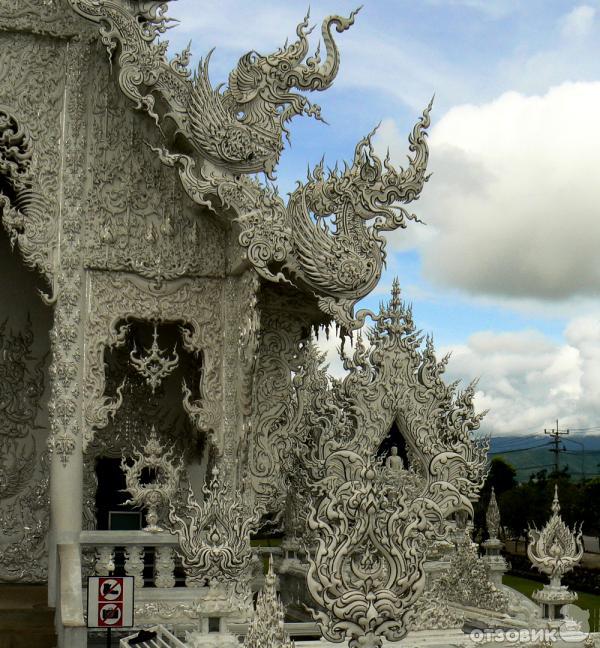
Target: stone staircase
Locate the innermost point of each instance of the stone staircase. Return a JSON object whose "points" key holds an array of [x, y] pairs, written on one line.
{"points": [[26, 621]]}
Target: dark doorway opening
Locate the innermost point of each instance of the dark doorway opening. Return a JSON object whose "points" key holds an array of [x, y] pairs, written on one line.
{"points": [[394, 438]]}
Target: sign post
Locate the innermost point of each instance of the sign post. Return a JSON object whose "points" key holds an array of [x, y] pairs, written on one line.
{"points": [[110, 603]]}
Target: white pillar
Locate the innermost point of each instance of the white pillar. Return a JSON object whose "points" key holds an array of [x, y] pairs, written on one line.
{"points": [[66, 502]]}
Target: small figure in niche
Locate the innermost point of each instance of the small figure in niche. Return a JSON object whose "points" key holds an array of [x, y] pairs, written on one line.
{"points": [[394, 462]]}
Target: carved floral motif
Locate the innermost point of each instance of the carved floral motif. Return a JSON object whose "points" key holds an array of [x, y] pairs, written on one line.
{"points": [[195, 304], [492, 517], [214, 536], [327, 238], [29, 148], [140, 218], [467, 581], [266, 630], [154, 364], [372, 528], [164, 475]]}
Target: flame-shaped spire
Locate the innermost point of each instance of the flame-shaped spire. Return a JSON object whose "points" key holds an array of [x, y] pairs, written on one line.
{"points": [[267, 627], [555, 549], [492, 517]]}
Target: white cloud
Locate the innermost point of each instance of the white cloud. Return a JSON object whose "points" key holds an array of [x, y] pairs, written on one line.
{"points": [[514, 200], [527, 380], [578, 23]]}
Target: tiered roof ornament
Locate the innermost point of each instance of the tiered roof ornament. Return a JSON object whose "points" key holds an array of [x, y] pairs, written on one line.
{"points": [[326, 240]]}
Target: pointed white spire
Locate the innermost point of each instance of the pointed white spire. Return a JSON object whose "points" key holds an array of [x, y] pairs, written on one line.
{"points": [[266, 629]]}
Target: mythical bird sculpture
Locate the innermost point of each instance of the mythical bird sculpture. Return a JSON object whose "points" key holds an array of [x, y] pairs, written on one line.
{"points": [[327, 238], [240, 128]]}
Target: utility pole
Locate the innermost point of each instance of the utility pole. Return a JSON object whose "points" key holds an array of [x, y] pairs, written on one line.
{"points": [[556, 434]]}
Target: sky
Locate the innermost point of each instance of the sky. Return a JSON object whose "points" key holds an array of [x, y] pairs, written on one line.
{"points": [[505, 272]]}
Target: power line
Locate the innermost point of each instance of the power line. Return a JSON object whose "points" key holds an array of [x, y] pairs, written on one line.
{"points": [[501, 452]]}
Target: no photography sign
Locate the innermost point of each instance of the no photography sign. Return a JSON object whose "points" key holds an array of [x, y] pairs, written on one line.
{"points": [[110, 602]]}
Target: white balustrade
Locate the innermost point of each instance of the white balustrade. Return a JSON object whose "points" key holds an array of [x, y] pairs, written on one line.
{"points": [[151, 558], [132, 553]]}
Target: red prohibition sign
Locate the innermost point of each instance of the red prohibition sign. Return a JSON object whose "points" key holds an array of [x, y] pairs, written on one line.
{"points": [[111, 589], [109, 614]]}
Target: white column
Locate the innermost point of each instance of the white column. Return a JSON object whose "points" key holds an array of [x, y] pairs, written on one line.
{"points": [[66, 502]]}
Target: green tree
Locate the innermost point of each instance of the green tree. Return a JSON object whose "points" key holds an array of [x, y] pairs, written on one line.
{"points": [[502, 476]]}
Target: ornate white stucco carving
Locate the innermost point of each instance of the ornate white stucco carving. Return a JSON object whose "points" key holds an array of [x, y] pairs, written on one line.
{"points": [[467, 581], [266, 630], [194, 304], [241, 127], [492, 517], [372, 528], [164, 475], [327, 238], [214, 535], [555, 549], [154, 364]]}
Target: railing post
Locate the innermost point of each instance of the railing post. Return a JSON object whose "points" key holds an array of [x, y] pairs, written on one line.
{"points": [[105, 560], [134, 564], [164, 566]]}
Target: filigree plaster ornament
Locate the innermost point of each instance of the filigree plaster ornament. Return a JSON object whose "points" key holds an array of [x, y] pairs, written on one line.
{"points": [[373, 529], [367, 568], [194, 304], [25, 210], [63, 444], [492, 517], [24, 525], [17, 464], [155, 365], [240, 127], [22, 382], [266, 630], [328, 238], [467, 581], [214, 536], [555, 549], [164, 475]]}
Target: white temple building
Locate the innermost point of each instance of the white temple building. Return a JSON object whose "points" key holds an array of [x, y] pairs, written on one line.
{"points": [[167, 423]]}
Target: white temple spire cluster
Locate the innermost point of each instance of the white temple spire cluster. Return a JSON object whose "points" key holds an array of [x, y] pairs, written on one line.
{"points": [[267, 627]]}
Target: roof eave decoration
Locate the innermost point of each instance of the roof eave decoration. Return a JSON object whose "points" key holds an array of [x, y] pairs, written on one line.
{"points": [[327, 238], [240, 127]]}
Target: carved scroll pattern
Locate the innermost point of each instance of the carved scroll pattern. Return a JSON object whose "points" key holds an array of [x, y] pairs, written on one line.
{"points": [[196, 304], [139, 217], [31, 87], [240, 317], [240, 128], [24, 503], [327, 239], [354, 517], [65, 337], [277, 401], [555, 549], [52, 17], [25, 522]]}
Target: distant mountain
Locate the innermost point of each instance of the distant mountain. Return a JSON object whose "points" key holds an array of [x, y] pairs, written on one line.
{"points": [[533, 453]]}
